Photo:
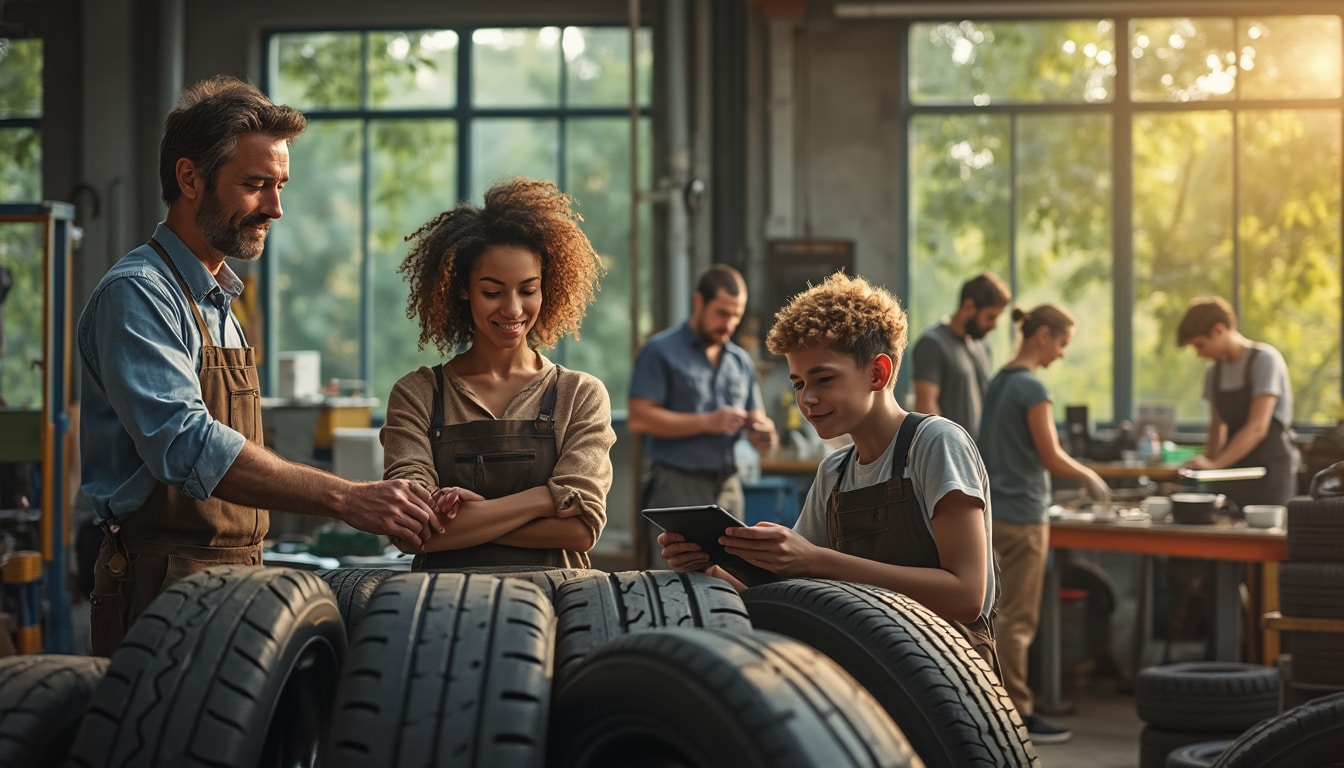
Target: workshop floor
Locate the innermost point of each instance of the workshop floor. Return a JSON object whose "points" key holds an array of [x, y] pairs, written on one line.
{"points": [[1105, 730]]}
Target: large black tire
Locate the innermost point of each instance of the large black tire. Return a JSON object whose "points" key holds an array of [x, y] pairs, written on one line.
{"points": [[1206, 696], [352, 588], [711, 697], [1309, 735], [549, 579], [42, 700], [1157, 744], [1201, 754], [1312, 590], [232, 666], [446, 669], [941, 693], [594, 610], [1315, 530]]}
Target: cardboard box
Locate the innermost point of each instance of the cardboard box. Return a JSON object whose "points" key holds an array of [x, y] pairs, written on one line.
{"points": [[356, 453], [300, 374]]}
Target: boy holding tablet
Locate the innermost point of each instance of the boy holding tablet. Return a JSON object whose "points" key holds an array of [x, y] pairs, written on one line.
{"points": [[907, 506]]}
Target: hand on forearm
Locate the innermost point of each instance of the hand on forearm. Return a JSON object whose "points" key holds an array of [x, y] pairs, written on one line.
{"points": [[480, 522], [260, 478]]}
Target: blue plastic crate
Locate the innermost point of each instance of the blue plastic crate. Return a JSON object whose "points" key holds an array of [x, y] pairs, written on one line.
{"points": [[772, 499]]}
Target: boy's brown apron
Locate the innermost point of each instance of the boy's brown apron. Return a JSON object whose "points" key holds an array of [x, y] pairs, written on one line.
{"points": [[495, 458], [884, 522], [173, 535]]}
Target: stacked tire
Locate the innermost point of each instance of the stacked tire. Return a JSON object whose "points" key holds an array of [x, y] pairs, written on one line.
{"points": [[1195, 702], [1311, 586]]}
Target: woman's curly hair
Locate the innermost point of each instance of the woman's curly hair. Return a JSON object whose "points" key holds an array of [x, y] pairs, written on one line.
{"points": [[854, 317], [522, 212]]}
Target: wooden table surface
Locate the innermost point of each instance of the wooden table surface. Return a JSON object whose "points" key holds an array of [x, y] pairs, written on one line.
{"points": [[1222, 541]]}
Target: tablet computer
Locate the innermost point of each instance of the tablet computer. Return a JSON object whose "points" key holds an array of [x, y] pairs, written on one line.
{"points": [[704, 525]]}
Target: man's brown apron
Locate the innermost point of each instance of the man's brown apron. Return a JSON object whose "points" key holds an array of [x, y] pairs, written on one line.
{"points": [[173, 535], [885, 523], [1274, 452], [495, 458]]}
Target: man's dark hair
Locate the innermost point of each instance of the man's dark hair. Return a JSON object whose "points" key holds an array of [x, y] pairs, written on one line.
{"points": [[720, 277], [205, 125], [1201, 315], [986, 290]]}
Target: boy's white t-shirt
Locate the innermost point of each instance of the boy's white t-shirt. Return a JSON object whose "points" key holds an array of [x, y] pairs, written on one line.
{"points": [[942, 459]]}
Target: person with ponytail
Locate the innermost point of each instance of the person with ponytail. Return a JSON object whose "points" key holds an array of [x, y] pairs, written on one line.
{"points": [[1021, 449]]}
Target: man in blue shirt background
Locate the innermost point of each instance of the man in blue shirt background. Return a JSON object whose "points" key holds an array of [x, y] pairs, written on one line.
{"points": [[692, 393]]}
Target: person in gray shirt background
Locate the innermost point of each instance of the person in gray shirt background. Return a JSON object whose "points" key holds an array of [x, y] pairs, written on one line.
{"points": [[952, 360]]}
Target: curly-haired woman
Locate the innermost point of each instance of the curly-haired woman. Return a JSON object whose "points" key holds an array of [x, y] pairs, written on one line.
{"points": [[514, 448], [907, 506]]}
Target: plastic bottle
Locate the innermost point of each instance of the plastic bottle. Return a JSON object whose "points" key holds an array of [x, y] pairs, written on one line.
{"points": [[748, 461], [1150, 445]]}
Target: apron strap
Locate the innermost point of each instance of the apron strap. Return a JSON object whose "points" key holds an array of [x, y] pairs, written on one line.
{"points": [[436, 418], [546, 414], [905, 436], [186, 290]]}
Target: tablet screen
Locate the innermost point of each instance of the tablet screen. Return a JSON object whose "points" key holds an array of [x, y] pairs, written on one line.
{"points": [[704, 525]]}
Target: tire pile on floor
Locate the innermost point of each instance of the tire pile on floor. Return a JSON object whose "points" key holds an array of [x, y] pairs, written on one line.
{"points": [[1306, 728], [515, 667]]}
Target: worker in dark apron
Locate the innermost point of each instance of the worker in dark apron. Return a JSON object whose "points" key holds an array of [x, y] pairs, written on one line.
{"points": [[1262, 397], [843, 341], [886, 523], [174, 535], [1275, 452], [515, 449], [495, 458]]}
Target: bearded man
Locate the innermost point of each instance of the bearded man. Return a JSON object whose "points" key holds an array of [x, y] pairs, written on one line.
{"points": [[951, 359], [170, 419]]}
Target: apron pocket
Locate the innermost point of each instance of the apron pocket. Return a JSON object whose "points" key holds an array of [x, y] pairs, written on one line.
{"points": [[245, 413], [180, 567], [862, 532]]}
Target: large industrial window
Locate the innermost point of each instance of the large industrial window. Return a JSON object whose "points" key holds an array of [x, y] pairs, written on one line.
{"points": [[20, 258], [406, 123], [1121, 167]]}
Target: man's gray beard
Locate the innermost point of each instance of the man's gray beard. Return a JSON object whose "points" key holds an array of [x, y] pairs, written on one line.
{"points": [[215, 229]]}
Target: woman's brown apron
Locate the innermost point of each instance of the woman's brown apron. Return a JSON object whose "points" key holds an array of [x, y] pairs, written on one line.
{"points": [[885, 523], [494, 458], [173, 535]]}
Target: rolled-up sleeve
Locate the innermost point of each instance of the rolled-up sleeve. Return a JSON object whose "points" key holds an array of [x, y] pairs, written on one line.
{"points": [[583, 471], [407, 453], [141, 348]]}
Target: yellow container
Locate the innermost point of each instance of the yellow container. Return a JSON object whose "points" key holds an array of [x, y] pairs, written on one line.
{"points": [[22, 568]]}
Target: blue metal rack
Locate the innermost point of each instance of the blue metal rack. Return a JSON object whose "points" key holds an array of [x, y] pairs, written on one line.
{"points": [[55, 221]]}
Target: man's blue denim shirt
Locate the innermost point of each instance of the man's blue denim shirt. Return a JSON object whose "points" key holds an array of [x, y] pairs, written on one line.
{"points": [[673, 370], [142, 419]]}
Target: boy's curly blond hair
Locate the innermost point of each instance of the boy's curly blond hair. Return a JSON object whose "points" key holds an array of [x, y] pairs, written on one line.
{"points": [[520, 212], [851, 315]]}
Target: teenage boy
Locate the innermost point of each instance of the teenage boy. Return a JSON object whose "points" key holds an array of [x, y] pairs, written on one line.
{"points": [[917, 481], [1250, 404]]}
